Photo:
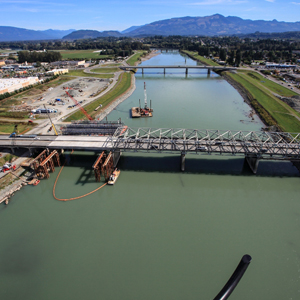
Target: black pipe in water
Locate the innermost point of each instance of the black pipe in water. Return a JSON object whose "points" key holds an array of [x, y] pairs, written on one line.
{"points": [[235, 278]]}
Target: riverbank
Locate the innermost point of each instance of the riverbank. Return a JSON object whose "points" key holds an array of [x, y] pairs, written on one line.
{"points": [[261, 95], [128, 92]]}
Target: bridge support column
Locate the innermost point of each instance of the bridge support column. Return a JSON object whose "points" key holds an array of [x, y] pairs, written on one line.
{"points": [[208, 71], [164, 71], [186, 71], [182, 162], [142, 71], [252, 161]]}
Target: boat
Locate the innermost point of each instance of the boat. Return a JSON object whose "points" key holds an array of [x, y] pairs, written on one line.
{"points": [[113, 177]]}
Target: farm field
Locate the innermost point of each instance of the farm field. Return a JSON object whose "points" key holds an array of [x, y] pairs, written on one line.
{"points": [[82, 54]]}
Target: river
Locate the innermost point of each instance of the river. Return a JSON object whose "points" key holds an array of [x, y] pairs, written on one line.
{"points": [[159, 233]]}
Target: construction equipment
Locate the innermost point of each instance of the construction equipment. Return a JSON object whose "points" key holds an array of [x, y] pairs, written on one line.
{"points": [[50, 120], [81, 108]]}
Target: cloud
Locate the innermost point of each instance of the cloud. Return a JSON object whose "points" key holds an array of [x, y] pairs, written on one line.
{"points": [[218, 2], [270, 1], [296, 3]]}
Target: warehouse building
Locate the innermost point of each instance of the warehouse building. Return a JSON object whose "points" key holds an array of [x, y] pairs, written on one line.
{"points": [[12, 84]]}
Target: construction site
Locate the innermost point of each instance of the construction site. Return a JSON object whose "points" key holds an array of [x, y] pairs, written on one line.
{"points": [[84, 90]]}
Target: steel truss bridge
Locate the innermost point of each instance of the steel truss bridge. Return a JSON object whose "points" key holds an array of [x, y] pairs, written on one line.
{"points": [[254, 145]]}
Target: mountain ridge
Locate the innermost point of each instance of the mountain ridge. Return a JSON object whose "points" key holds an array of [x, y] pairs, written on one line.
{"points": [[10, 33], [214, 25]]}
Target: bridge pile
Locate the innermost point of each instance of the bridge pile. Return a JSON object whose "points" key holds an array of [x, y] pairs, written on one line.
{"points": [[42, 168], [91, 128], [104, 165]]}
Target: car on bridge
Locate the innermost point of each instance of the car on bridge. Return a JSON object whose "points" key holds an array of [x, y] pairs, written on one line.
{"points": [[201, 148]]}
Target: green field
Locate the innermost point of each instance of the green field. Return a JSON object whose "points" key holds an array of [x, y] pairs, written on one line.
{"points": [[121, 87], [136, 57], [82, 74], [200, 58], [105, 70], [82, 54], [284, 115]]}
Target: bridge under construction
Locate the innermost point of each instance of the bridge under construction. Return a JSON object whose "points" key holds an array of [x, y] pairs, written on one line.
{"points": [[253, 145]]}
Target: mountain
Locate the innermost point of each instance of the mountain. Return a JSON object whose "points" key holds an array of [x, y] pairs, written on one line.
{"points": [[212, 25], [58, 34], [130, 29], [207, 26], [8, 33], [90, 34]]}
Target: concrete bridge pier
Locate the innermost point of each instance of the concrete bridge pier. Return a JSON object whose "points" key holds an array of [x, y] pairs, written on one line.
{"points": [[182, 162], [186, 71], [164, 71], [142, 71], [208, 71], [252, 161]]}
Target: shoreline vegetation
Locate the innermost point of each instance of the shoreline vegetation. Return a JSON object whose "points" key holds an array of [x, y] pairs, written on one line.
{"points": [[262, 95]]}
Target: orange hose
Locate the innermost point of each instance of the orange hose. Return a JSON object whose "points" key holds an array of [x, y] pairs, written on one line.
{"points": [[74, 198]]}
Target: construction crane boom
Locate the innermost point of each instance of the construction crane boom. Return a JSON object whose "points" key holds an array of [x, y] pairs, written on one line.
{"points": [[56, 133], [81, 108], [145, 94]]}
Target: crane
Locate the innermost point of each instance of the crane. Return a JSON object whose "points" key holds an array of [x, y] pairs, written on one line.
{"points": [[81, 108], [50, 121], [145, 94]]}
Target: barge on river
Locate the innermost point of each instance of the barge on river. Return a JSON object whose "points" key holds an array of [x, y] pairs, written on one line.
{"points": [[138, 112]]}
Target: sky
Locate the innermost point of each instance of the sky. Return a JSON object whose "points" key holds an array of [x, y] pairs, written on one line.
{"points": [[121, 14]]}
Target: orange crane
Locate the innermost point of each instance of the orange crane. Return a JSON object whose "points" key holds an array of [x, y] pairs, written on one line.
{"points": [[81, 108]]}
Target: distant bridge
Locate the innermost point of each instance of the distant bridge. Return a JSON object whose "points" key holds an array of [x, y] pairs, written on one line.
{"points": [[253, 145], [208, 68]]}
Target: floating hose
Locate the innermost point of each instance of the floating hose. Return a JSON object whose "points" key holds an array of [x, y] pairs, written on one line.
{"points": [[235, 278], [74, 198]]}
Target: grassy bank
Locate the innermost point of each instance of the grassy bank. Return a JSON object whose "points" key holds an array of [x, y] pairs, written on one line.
{"points": [[136, 57], [196, 56], [260, 93], [80, 73], [272, 110], [105, 70], [121, 87], [6, 158]]}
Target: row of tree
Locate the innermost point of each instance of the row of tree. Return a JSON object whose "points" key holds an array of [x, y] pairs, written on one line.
{"points": [[231, 49], [33, 56]]}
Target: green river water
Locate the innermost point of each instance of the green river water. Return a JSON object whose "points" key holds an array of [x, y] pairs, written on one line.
{"points": [[158, 233]]}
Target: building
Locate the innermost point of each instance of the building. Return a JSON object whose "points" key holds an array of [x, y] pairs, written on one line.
{"points": [[12, 84], [280, 66], [57, 72], [71, 63]]}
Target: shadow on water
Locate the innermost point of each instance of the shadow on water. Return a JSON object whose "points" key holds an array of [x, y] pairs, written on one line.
{"points": [[215, 165]]}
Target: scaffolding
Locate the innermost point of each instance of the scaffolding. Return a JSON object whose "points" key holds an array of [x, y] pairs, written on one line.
{"points": [[48, 164], [97, 166]]}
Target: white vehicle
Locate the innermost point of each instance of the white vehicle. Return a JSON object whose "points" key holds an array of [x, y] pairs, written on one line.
{"points": [[202, 148]]}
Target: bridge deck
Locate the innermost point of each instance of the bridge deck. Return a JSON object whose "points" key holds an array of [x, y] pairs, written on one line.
{"points": [[268, 145]]}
